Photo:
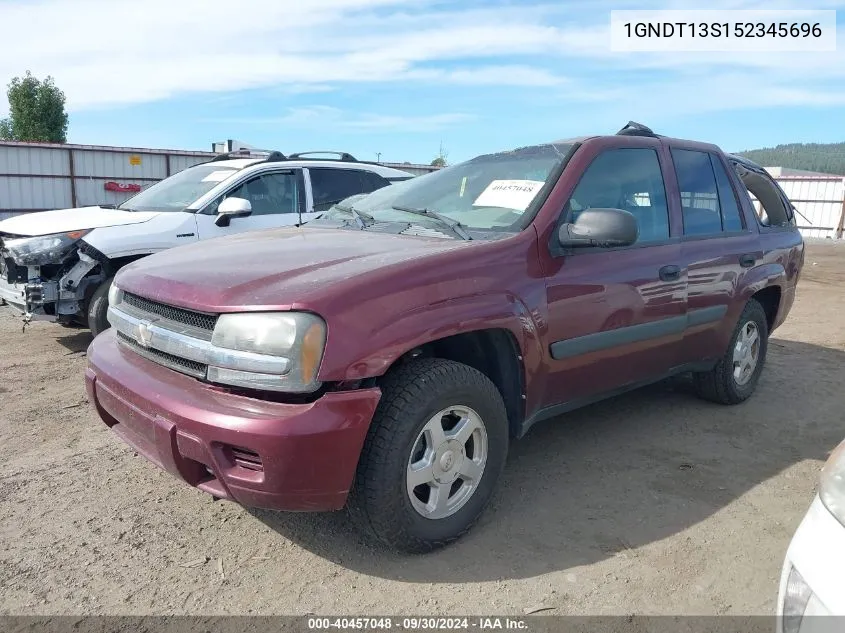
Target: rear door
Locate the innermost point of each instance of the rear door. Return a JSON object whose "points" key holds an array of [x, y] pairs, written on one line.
{"points": [[276, 198], [616, 315], [717, 250]]}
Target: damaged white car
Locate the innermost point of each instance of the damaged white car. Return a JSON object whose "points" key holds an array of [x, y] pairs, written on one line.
{"points": [[58, 265]]}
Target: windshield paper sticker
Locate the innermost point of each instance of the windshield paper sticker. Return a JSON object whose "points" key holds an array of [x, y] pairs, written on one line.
{"points": [[509, 194], [218, 176]]}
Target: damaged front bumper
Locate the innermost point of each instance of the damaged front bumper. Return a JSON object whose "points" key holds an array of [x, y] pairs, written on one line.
{"points": [[60, 298]]}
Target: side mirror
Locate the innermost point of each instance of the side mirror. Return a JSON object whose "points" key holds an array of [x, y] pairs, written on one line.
{"points": [[600, 227], [232, 208]]}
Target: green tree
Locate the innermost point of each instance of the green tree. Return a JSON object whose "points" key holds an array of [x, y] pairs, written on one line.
{"points": [[440, 160], [36, 111]]}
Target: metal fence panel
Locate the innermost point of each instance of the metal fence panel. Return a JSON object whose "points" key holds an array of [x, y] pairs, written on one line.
{"points": [[33, 160], [179, 163], [819, 202], [23, 193], [119, 165]]}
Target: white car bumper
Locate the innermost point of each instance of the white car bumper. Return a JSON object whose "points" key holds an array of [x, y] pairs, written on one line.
{"points": [[813, 577]]}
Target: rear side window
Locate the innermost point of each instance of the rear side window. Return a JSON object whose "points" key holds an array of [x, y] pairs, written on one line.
{"points": [[628, 179], [770, 203], [699, 193], [330, 185], [373, 181], [727, 199]]}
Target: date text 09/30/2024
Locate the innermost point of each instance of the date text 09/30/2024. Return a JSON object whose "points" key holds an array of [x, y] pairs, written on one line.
{"points": [[418, 623]]}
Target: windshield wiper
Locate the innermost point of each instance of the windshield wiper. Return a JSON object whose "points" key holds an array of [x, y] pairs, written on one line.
{"points": [[457, 228], [359, 216]]}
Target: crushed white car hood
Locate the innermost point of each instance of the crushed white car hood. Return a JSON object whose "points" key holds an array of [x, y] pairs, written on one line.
{"points": [[64, 220]]}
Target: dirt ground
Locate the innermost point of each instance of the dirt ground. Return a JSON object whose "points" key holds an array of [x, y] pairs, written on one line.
{"points": [[651, 503]]}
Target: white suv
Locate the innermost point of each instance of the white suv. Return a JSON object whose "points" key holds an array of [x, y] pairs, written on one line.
{"points": [[58, 265]]}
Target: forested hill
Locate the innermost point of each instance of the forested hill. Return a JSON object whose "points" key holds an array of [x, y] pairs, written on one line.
{"points": [[824, 157]]}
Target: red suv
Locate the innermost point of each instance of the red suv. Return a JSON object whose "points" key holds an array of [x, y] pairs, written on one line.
{"points": [[384, 356]]}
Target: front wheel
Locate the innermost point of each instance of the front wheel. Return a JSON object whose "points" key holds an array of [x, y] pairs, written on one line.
{"points": [[98, 308], [735, 376], [433, 454]]}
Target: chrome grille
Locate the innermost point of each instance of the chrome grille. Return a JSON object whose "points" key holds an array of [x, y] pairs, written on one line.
{"points": [[180, 346], [199, 320], [192, 368]]}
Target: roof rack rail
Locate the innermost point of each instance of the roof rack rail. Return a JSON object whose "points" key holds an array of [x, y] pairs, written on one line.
{"points": [[636, 129], [267, 154], [342, 156]]}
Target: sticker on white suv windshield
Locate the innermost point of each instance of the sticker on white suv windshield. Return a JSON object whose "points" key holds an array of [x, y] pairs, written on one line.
{"points": [[509, 194], [218, 176]]}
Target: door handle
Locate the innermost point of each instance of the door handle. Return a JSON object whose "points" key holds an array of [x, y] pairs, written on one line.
{"points": [[670, 273], [747, 260]]}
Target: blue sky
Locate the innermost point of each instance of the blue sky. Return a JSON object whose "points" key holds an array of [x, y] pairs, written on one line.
{"points": [[401, 76]]}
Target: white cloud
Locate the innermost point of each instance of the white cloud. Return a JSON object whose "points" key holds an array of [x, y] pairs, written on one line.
{"points": [[107, 52], [328, 117]]}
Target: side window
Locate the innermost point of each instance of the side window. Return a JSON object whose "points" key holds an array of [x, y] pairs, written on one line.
{"points": [[329, 185], [699, 194], [628, 179], [727, 199], [270, 193], [373, 181]]}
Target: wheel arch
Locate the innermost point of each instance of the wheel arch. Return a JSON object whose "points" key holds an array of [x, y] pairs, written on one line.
{"points": [[765, 284], [495, 352]]}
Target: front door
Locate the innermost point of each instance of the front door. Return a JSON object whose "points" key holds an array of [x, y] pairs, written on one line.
{"points": [[276, 199], [616, 316]]}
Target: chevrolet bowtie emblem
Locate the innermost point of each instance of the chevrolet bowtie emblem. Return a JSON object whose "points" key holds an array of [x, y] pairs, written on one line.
{"points": [[145, 333]]}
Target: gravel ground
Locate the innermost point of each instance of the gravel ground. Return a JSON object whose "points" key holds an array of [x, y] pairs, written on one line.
{"points": [[651, 503]]}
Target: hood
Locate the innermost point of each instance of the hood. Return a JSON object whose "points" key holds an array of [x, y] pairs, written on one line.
{"points": [[274, 269], [64, 220]]}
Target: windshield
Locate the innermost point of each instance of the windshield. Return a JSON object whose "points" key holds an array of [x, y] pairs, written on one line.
{"points": [[180, 190], [487, 193]]}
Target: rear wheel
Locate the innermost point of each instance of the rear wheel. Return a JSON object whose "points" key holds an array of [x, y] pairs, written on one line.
{"points": [[434, 452], [737, 373], [98, 307]]}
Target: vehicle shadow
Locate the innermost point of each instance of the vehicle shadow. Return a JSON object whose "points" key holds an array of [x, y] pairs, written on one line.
{"points": [[617, 475], [75, 340]]}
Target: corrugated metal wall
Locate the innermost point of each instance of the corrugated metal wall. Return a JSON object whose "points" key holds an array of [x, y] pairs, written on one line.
{"points": [[820, 202], [37, 177]]}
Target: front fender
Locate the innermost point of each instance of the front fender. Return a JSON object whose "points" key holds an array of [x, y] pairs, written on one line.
{"points": [[166, 230], [381, 344]]}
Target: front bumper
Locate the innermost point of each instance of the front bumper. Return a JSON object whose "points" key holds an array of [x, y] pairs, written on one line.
{"points": [[817, 552], [307, 453], [13, 294]]}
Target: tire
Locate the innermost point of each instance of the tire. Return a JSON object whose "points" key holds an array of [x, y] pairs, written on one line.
{"points": [[721, 383], [98, 308], [413, 395]]}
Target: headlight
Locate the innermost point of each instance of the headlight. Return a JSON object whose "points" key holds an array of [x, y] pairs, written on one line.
{"points": [[45, 249], [795, 600], [298, 337], [832, 484], [115, 294]]}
